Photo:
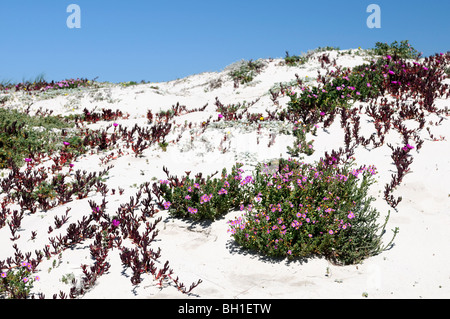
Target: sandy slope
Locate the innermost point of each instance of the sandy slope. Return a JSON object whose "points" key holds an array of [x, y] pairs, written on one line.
{"points": [[416, 267]]}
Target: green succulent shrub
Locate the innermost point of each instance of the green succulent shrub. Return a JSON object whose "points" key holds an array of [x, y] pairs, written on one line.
{"points": [[207, 198], [247, 71], [402, 49], [306, 210], [21, 134]]}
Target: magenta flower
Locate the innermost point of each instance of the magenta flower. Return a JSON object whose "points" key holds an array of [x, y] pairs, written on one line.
{"points": [[407, 147], [369, 85], [28, 160], [322, 113], [205, 198], [187, 197], [115, 222], [116, 125], [192, 210], [66, 143], [220, 116]]}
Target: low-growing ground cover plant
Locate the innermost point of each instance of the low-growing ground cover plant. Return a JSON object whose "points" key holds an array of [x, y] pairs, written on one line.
{"points": [[16, 283], [304, 210], [22, 134], [206, 198], [41, 85], [295, 60], [246, 72], [402, 49]]}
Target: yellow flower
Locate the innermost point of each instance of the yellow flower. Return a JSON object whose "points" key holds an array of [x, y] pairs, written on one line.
{"points": [[262, 118]]}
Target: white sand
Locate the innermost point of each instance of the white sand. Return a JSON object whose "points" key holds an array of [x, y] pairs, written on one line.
{"points": [[416, 267]]}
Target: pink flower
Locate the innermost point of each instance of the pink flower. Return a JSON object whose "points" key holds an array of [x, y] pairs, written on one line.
{"points": [[167, 205], [66, 143], [28, 160], [351, 215], [115, 222], [3, 275], [205, 198], [192, 210], [369, 85]]}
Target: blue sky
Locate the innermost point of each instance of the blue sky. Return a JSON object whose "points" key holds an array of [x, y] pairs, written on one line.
{"points": [[156, 41]]}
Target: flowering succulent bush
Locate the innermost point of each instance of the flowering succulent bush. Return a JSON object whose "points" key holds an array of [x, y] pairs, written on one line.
{"points": [[304, 210], [17, 283], [209, 198], [389, 74]]}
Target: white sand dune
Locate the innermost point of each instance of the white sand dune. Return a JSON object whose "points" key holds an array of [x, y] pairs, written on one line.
{"points": [[417, 266]]}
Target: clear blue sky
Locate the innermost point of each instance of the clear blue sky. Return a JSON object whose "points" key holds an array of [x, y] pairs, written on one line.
{"points": [[164, 40]]}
